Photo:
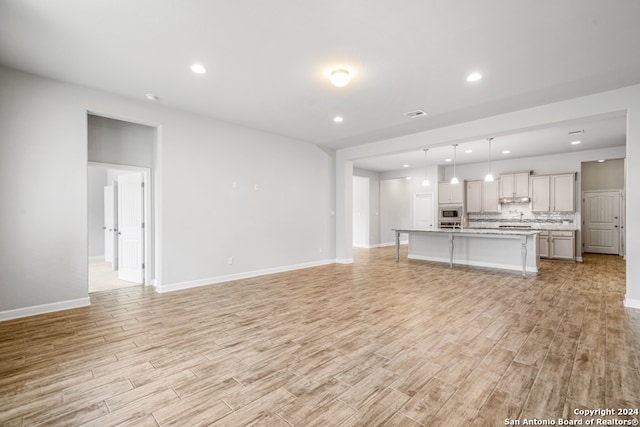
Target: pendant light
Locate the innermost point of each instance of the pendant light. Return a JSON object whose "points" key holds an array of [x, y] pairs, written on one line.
{"points": [[489, 177], [454, 180], [425, 183]]}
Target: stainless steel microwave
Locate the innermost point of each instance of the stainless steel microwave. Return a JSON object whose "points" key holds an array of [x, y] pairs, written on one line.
{"points": [[448, 213]]}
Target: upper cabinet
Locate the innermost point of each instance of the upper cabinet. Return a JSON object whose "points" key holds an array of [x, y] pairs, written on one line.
{"points": [[540, 193], [563, 192], [553, 193], [451, 193], [514, 185], [482, 196]]}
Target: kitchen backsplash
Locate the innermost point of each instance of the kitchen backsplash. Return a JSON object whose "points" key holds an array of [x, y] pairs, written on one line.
{"points": [[521, 213]]}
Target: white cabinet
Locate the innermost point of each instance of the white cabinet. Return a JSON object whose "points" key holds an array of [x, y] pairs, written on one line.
{"points": [[553, 193], [557, 245], [482, 196], [451, 193], [474, 196], [563, 192], [514, 185], [540, 193], [543, 244], [490, 197], [562, 245]]}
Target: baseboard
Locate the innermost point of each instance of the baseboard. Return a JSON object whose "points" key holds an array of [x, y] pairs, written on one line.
{"points": [[375, 245], [632, 303], [402, 242], [239, 276], [44, 308], [344, 260]]}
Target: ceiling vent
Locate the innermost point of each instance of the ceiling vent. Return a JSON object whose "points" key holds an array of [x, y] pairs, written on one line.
{"points": [[414, 114], [576, 132]]}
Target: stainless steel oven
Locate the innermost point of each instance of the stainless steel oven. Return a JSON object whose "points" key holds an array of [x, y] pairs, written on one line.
{"points": [[450, 213]]}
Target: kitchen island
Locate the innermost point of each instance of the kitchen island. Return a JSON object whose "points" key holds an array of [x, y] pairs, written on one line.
{"points": [[494, 248]]}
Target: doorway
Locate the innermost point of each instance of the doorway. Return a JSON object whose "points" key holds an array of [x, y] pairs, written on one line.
{"points": [[117, 149], [603, 206], [120, 226], [602, 222]]}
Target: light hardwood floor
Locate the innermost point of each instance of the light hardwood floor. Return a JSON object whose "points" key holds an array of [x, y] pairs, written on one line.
{"points": [[373, 343], [103, 278]]}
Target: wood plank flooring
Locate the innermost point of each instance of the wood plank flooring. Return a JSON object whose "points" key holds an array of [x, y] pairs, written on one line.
{"points": [[374, 343]]}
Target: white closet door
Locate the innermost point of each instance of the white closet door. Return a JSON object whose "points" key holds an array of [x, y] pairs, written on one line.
{"points": [[130, 228]]}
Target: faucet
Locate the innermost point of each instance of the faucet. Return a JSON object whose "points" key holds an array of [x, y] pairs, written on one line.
{"points": [[519, 216]]}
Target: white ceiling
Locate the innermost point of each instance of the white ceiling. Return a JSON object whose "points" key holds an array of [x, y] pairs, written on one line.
{"points": [[267, 61], [597, 132]]}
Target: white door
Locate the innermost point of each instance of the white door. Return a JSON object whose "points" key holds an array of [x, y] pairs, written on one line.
{"points": [[423, 211], [110, 243], [131, 228], [602, 222]]}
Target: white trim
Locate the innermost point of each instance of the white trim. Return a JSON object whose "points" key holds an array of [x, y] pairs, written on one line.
{"points": [[632, 303], [375, 245], [530, 268], [344, 260], [358, 245], [44, 308], [238, 276], [402, 242]]}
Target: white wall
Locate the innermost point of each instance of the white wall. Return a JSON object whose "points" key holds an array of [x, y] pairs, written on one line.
{"points": [[399, 197], [202, 219], [97, 179], [396, 207], [374, 204], [542, 165], [360, 211]]}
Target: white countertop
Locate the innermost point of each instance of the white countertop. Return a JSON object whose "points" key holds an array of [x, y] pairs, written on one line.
{"points": [[534, 226], [484, 231]]}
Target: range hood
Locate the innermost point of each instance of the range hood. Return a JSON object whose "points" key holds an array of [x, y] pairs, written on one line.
{"points": [[514, 200]]}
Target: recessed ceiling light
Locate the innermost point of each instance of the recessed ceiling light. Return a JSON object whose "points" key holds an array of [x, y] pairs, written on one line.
{"points": [[447, 160], [474, 77], [506, 152], [575, 142], [600, 161], [338, 119], [468, 151], [407, 178], [151, 97], [339, 77], [405, 166], [198, 69]]}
